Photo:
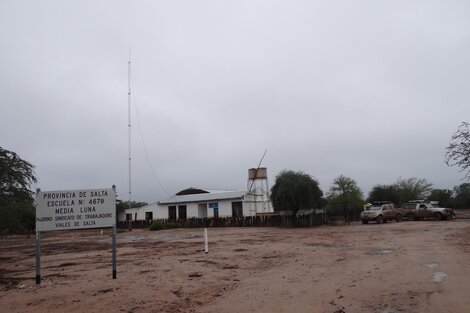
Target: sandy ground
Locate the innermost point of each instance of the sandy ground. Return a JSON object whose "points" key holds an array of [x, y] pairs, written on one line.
{"points": [[421, 266]]}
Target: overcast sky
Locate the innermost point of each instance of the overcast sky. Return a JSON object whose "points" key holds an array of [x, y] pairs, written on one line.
{"points": [[372, 90]]}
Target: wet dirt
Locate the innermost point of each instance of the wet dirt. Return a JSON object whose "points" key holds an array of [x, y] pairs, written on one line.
{"points": [[417, 266]]}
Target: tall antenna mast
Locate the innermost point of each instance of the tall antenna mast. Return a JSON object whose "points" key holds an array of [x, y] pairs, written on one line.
{"points": [[129, 120]]}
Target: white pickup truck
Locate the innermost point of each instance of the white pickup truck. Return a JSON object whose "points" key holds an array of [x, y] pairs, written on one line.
{"points": [[421, 210], [380, 212]]}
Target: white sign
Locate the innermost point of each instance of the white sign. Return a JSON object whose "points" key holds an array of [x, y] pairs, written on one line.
{"points": [[75, 209]]}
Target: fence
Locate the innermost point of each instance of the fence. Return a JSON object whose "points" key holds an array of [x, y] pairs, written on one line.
{"points": [[309, 220], [350, 214]]}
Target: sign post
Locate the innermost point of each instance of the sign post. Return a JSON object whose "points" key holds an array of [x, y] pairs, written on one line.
{"points": [[38, 257], [114, 251], [114, 242], [74, 209]]}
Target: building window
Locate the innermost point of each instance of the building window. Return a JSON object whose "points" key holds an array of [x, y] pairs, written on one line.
{"points": [[215, 208], [172, 213], [237, 209], [182, 212], [149, 216], [128, 217]]}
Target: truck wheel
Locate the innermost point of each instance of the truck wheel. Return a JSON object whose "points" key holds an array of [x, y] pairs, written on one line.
{"points": [[364, 222], [398, 218], [410, 217], [437, 216], [380, 219]]}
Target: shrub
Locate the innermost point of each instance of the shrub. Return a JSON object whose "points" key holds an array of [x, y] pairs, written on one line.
{"points": [[171, 225], [156, 225]]}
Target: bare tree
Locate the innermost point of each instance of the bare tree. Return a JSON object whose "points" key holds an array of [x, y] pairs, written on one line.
{"points": [[458, 151]]}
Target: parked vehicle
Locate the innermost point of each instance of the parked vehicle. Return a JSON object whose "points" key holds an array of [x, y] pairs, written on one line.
{"points": [[380, 212], [419, 209]]}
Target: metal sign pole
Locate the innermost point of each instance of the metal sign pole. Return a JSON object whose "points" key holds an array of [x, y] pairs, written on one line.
{"points": [[38, 248], [114, 241], [38, 257], [114, 251]]}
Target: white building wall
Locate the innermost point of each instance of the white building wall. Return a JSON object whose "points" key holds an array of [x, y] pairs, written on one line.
{"points": [[136, 214], [156, 212], [202, 210], [160, 212], [248, 208], [192, 209], [225, 208]]}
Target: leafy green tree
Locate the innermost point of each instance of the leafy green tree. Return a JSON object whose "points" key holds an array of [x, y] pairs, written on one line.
{"points": [[458, 151], [345, 193], [412, 189], [402, 191], [384, 193], [123, 205], [462, 196], [17, 212], [443, 196], [294, 191]]}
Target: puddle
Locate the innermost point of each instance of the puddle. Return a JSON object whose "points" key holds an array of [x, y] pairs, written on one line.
{"points": [[380, 251], [432, 265], [439, 277]]}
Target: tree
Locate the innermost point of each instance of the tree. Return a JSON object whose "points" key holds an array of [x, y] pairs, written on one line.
{"points": [[345, 193], [384, 193], [462, 196], [458, 151], [121, 206], [443, 196], [295, 191], [412, 189], [17, 212]]}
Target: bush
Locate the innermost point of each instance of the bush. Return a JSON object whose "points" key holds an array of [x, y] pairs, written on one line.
{"points": [[156, 225], [171, 225], [159, 225]]}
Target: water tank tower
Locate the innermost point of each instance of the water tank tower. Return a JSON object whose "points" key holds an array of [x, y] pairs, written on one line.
{"points": [[258, 188]]}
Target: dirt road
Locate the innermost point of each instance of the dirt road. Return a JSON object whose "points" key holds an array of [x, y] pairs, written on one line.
{"points": [[393, 267]]}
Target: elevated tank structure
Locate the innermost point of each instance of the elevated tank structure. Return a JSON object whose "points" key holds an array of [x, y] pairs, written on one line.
{"points": [[258, 189]]}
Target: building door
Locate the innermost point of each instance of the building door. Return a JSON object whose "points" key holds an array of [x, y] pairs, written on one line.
{"points": [[172, 212], [182, 214], [237, 209]]}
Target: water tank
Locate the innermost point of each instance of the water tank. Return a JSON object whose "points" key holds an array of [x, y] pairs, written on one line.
{"points": [[259, 173]]}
